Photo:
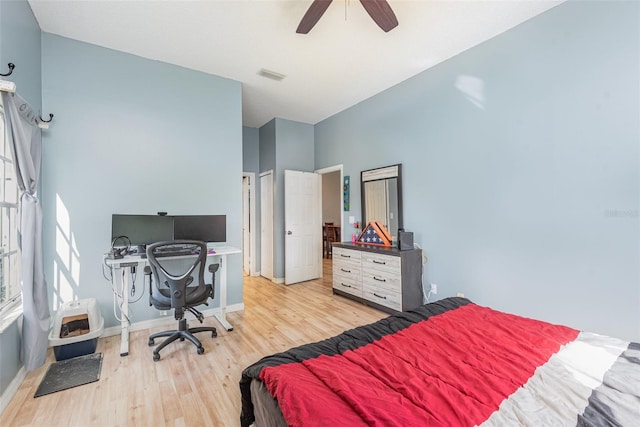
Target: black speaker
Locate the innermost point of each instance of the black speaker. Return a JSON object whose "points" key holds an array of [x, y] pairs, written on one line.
{"points": [[405, 240]]}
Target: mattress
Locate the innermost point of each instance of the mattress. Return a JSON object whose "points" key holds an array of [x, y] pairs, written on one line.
{"points": [[448, 363]]}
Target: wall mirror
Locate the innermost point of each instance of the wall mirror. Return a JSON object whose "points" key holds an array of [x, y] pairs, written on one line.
{"points": [[381, 192]]}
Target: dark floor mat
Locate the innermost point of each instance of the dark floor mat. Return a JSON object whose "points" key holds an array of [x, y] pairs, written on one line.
{"points": [[70, 373]]}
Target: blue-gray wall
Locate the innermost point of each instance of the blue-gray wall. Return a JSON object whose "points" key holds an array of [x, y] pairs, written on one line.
{"points": [[520, 166], [267, 143], [131, 135], [19, 44], [250, 150]]}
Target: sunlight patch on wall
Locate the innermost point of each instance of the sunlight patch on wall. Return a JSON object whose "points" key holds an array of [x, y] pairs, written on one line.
{"points": [[472, 88], [67, 263], [75, 261], [63, 222], [62, 247], [63, 290]]}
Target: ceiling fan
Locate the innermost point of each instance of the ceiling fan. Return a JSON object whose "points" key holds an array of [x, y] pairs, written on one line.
{"points": [[379, 10]]}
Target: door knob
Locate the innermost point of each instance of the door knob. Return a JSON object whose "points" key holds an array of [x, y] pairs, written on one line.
{"points": [[289, 232]]}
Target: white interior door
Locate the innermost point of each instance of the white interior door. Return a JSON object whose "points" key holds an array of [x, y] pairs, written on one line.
{"points": [[246, 230], [266, 225], [303, 225]]}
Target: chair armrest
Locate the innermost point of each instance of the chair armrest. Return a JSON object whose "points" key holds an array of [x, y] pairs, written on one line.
{"points": [[212, 269], [147, 274]]}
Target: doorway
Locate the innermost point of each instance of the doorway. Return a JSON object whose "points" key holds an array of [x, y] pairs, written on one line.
{"points": [[332, 199]]}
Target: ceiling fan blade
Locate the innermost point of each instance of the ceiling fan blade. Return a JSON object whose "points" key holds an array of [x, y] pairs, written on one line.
{"points": [[313, 15], [381, 13]]}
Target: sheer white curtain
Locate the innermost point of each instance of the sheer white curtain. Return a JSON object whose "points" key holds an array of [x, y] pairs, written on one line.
{"points": [[25, 139]]}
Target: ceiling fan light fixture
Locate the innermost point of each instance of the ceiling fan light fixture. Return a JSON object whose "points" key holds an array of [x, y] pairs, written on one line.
{"points": [[273, 75]]}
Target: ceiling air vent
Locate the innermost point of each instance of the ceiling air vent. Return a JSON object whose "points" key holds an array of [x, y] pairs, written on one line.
{"points": [[271, 74]]}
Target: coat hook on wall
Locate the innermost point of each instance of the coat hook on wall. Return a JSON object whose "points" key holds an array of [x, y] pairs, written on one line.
{"points": [[11, 67], [47, 121]]}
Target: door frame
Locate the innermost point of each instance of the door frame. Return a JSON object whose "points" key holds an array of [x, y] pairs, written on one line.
{"points": [[336, 168], [266, 218], [253, 270]]}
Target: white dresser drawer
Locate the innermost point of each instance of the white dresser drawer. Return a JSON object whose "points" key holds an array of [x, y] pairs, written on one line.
{"points": [[380, 262], [382, 296], [391, 282], [349, 270], [341, 255], [347, 284]]}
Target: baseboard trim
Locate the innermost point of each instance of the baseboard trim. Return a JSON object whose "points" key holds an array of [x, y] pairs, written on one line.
{"points": [[278, 280], [11, 391], [165, 321]]}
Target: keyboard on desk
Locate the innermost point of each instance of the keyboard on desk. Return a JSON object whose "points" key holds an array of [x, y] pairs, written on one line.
{"points": [[176, 250]]}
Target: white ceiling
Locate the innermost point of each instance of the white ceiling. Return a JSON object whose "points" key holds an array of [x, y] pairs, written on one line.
{"points": [[345, 58]]}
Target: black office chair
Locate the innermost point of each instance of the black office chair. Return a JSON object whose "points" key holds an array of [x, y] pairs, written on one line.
{"points": [[172, 290]]}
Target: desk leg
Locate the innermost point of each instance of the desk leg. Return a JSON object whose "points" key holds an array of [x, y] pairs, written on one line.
{"points": [[222, 317], [124, 312]]}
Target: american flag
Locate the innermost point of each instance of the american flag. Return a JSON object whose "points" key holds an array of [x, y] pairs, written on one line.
{"points": [[371, 236]]}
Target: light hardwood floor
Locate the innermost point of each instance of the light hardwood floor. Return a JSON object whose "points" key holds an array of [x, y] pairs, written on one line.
{"points": [[184, 388]]}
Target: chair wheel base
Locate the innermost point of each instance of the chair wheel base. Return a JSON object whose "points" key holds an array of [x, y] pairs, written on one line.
{"points": [[183, 333]]}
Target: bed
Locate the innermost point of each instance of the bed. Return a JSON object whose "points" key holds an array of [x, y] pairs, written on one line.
{"points": [[448, 363]]}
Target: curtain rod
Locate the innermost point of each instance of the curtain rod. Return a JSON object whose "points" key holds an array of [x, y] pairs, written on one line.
{"points": [[5, 85], [9, 86], [11, 67]]}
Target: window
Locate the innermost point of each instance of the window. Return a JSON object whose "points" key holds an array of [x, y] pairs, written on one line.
{"points": [[10, 268]]}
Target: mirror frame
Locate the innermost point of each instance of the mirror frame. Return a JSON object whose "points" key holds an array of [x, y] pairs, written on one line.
{"points": [[392, 171]]}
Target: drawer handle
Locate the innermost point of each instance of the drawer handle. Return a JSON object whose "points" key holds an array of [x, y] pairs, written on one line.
{"points": [[345, 256], [379, 262], [378, 279], [346, 286], [379, 296], [346, 271]]}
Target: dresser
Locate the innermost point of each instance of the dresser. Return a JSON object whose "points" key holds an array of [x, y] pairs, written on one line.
{"points": [[383, 277]]}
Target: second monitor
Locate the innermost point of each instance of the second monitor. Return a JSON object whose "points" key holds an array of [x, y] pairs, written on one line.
{"points": [[141, 230], [208, 228]]}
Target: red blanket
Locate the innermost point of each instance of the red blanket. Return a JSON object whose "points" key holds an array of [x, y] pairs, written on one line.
{"points": [[453, 363], [437, 372]]}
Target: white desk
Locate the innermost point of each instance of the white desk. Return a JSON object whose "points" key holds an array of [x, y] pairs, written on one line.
{"points": [[140, 263]]}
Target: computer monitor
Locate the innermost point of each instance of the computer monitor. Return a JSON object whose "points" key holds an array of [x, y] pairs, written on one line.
{"points": [[208, 228], [142, 229]]}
